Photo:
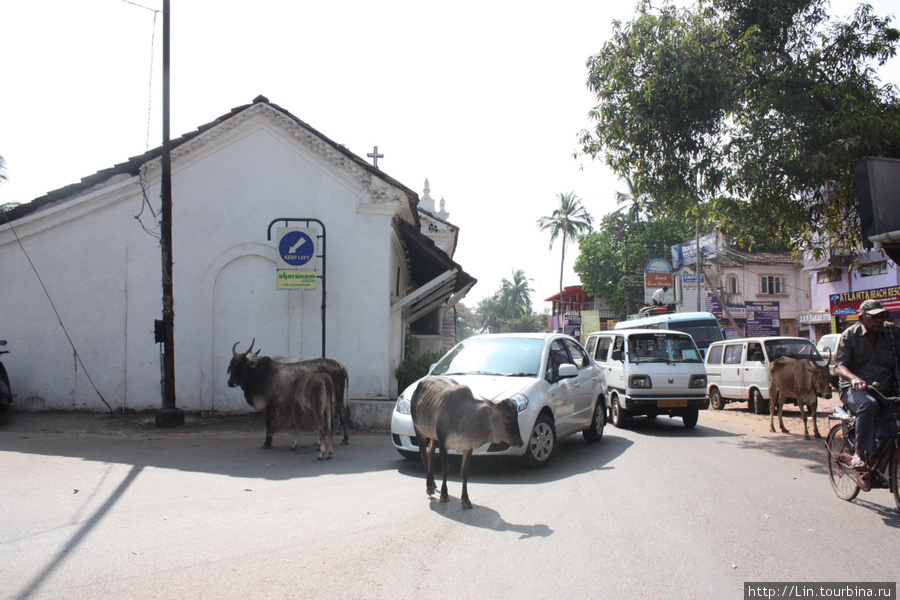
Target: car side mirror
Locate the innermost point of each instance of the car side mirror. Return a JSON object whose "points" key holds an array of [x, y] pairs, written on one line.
{"points": [[567, 371], [617, 355]]}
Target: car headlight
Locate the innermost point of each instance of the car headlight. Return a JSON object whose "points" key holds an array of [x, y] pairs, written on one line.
{"points": [[521, 401], [402, 406], [641, 381], [698, 381]]}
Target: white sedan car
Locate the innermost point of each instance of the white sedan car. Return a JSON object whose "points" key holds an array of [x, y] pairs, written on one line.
{"points": [[549, 376]]}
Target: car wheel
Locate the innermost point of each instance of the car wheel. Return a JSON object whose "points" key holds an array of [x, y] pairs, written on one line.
{"points": [[595, 432], [541, 442], [617, 414], [758, 404], [716, 401], [690, 418]]}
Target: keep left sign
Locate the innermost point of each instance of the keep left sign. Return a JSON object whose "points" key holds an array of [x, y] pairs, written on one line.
{"points": [[297, 248]]}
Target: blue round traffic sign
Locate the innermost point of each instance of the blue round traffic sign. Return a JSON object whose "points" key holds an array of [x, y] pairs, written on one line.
{"points": [[296, 248]]}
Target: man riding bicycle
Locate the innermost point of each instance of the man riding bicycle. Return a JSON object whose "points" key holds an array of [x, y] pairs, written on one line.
{"points": [[868, 352]]}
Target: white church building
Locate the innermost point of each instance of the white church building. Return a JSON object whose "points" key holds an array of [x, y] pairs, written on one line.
{"points": [[94, 247]]}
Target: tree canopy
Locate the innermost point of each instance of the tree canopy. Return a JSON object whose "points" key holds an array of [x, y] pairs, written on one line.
{"points": [[509, 309], [601, 262], [758, 108]]}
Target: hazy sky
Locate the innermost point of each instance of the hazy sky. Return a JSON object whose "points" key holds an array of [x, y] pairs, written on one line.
{"points": [[483, 98]]}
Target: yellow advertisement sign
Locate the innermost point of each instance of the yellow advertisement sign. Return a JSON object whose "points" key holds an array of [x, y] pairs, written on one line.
{"points": [[590, 321], [296, 280]]}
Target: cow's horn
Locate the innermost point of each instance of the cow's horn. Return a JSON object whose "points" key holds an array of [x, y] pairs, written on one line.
{"points": [[250, 349], [830, 356], [234, 349]]}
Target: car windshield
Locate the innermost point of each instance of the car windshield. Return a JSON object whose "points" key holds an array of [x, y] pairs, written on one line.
{"points": [[507, 356], [661, 347], [704, 331], [793, 349]]}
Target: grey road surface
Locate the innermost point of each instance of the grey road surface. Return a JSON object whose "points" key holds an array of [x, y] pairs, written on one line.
{"points": [[94, 507]]}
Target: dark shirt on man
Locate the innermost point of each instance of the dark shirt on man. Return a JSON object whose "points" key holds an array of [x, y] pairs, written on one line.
{"points": [[873, 363]]}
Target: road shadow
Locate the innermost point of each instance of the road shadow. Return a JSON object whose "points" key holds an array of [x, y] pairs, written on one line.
{"points": [[890, 516], [673, 427], [572, 456], [485, 518], [224, 445]]}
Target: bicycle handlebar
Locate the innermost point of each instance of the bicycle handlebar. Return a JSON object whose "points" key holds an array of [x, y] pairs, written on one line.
{"points": [[873, 389]]}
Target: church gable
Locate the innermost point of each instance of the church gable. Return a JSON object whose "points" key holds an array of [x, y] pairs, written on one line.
{"points": [[375, 189]]}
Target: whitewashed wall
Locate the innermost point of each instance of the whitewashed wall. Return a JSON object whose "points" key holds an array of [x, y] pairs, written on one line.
{"points": [[103, 272]]}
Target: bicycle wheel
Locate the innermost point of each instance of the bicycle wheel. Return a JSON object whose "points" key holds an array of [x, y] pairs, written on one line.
{"points": [[894, 470], [840, 450]]}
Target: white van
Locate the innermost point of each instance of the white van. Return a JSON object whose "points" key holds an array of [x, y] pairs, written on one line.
{"points": [[650, 372], [738, 370]]}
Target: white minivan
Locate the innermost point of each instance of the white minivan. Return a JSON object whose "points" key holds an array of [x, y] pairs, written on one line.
{"points": [[650, 372], [738, 370]]}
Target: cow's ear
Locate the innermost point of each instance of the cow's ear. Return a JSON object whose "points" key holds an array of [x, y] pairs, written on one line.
{"points": [[252, 364], [229, 369]]}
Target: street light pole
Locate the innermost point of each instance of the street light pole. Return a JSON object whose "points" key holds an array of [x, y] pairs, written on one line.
{"points": [[170, 415]]}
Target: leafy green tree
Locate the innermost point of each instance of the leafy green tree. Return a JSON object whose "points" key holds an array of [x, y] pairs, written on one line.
{"points": [[515, 296], [466, 322], [758, 108], [569, 221], [490, 314], [509, 309], [635, 200], [601, 262]]}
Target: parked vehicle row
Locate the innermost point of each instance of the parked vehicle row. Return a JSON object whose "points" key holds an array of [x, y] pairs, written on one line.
{"points": [[561, 388]]}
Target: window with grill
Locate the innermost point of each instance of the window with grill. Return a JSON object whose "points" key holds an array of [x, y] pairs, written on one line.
{"points": [[771, 284]]}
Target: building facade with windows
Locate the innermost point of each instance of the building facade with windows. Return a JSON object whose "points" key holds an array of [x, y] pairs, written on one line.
{"points": [[840, 281], [755, 282]]}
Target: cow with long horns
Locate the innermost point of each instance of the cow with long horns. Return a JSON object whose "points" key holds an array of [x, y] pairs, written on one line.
{"points": [[271, 387]]}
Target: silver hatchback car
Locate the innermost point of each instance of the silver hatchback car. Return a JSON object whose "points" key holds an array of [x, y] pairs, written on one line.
{"points": [[555, 385]]}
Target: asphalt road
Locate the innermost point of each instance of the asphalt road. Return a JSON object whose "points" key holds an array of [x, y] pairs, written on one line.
{"points": [[95, 507]]}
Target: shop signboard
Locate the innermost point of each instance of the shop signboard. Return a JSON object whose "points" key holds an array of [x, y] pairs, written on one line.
{"points": [[848, 303], [686, 253], [658, 274], [763, 318]]}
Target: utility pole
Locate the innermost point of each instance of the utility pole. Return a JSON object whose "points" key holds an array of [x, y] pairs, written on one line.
{"points": [[170, 415]]}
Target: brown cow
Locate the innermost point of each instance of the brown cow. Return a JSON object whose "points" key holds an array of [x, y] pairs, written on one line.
{"points": [[338, 373], [446, 414], [802, 380], [314, 394]]}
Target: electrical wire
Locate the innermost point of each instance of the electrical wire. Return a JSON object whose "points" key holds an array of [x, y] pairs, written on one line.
{"points": [[58, 317]]}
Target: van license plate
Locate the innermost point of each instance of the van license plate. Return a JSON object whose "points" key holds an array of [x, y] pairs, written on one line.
{"points": [[673, 403]]}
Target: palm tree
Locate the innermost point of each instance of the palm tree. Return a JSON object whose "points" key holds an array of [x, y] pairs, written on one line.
{"points": [[488, 312], [570, 221], [515, 295], [635, 200]]}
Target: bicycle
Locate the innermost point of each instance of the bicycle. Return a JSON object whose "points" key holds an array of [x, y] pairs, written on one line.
{"points": [[848, 481]]}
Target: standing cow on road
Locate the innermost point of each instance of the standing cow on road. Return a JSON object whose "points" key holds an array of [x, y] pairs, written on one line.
{"points": [[446, 414], [270, 386], [802, 380]]}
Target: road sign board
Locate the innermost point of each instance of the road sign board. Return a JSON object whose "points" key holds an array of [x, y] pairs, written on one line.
{"points": [[297, 248]]}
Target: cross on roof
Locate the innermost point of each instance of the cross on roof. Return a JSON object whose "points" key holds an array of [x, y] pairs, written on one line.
{"points": [[374, 154]]}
